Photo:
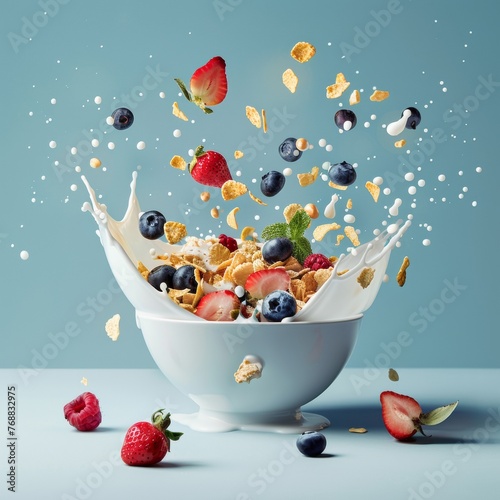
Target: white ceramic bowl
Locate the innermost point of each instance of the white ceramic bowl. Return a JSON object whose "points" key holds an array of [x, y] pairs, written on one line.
{"points": [[300, 360]]}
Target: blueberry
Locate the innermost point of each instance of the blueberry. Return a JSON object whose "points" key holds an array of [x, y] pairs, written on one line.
{"points": [[122, 118], [342, 174], [272, 183], [151, 224], [184, 278], [345, 119], [288, 150], [277, 249], [278, 305], [414, 118], [161, 274], [311, 443]]}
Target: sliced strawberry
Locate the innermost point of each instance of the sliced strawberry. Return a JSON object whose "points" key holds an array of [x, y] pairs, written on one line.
{"points": [[209, 83], [209, 168], [222, 305], [401, 414], [261, 283]]}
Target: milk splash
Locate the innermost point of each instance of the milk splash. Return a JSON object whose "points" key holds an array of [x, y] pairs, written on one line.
{"points": [[341, 296]]}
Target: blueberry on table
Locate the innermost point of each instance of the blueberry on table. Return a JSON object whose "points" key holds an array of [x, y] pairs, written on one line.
{"points": [[161, 274], [288, 150], [413, 119], [151, 224], [342, 174], [272, 183], [122, 118], [311, 443], [184, 278], [277, 249], [278, 305], [345, 119]]}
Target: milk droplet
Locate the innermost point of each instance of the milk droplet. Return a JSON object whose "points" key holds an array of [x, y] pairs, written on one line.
{"points": [[177, 133], [53, 101], [109, 120], [441, 178], [349, 218], [421, 182], [392, 228], [326, 165], [367, 124], [378, 181], [322, 143], [95, 143], [141, 145], [395, 128], [191, 152], [111, 145], [387, 191], [394, 209], [474, 203], [162, 95], [426, 242], [287, 172], [412, 190], [24, 255], [329, 147], [409, 176], [385, 279], [329, 212], [74, 151], [373, 117], [97, 99], [347, 125], [73, 187], [479, 170], [52, 144]]}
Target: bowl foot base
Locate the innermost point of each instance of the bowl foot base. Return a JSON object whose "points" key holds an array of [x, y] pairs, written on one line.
{"points": [[293, 422]]}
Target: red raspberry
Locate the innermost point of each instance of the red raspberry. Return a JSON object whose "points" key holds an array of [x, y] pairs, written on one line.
{"points": [[228, 242], [83, 412], [317, 261]]}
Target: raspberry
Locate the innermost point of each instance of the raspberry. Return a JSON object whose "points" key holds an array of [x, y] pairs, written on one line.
{"points": [[317, 261], [228, 242], [83, 412]]}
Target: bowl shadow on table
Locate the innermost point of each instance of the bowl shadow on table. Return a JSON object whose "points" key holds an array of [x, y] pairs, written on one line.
{"points": [[459, 428]]}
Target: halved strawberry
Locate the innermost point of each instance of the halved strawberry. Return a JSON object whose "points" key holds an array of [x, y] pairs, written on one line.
{"points": [[261, 283], [209, 168], [208, 84], [222, 305]]}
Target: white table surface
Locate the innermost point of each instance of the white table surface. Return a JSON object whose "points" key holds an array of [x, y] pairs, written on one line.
{"points": [[54, 461]]}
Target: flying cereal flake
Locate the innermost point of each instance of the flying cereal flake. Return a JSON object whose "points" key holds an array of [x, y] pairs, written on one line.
{"points": [[290, 80], [303, 52], [337, 186], [95, 162], [393, 375], [178, 162], [232, 189], [238, 154], [357, 430], [355, 98], [84, 381], [379, 95], [338, 88], [254, 116], [373, 189], [112, 327], [178, 113], [366, 276], [231, 218], [350, 232], [174, 231], [400, 144], [340, 237], [320, 232], [349, 204], [289, 211], [264, 121], [257, 200], [309, 177], [401, 277], [245, 232]]}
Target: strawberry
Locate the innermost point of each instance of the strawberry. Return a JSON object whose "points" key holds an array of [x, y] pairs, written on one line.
{"points": [[317, 261], [208, 84], [222, 305], [147, 443], [230, 243], [403, 416], [83, 412], [209, 168], [261, 283]]}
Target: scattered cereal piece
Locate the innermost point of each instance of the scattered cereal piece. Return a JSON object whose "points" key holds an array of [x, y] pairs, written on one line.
{"points": [[143, 269], [84, 381], [231, 218], [214, 212], [112, 327], [218, 253], [401, 277], [322, 275], [350, 232], [199, 287], [301, 144], [290, 210], [357, 430], [303, 51], [254, 116], [320, 232], [393, 375], [373, 189], [242, 272], [232, 189], [174, 231], [95, 162], [366, 276], [349, 204], [178, 162], [338, 88], [379, 95], [309, 177], [355, 98], [245, 232], [290, 80], [204, 196], [340, 237], [257, 200], [247, 371], [298, 289], [312, 210], [264, 121], [238, 154], [400, 144], [178, 113], [337, 186]]}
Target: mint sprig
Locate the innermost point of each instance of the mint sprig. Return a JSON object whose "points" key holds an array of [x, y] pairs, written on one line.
{"points": [[294, 231]]}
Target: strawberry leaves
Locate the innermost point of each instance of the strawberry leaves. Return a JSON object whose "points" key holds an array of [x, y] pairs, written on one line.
{"points": [[438, 415]]}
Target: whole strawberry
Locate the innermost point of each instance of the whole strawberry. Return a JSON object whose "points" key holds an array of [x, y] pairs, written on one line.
{"points": [[209, 168], [147, 443], [83, 412]]}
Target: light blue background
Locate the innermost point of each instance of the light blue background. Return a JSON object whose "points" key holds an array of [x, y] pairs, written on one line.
{"points": [[80, 50]]}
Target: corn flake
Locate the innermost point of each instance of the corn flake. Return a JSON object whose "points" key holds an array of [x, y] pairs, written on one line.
{"points": [[373, 189], [366, 276], [232, 189], [357, 430], [264, 121], [218, 253], [322, 275], [143, 269], [174, 231], [298, 289], [309, 177], [238, 154], [379, 95], [337, 186], [290, 210], [257, 200], [340, 237], [355, 98], [290, 80], [254, 116], [178, 113], [112, 327], [247, 371], [401, 277], [400, 144], [303, 51], [231, 218], [320, 232], [246, 231], [349, 204], [350, 232], [178, 162], [338, 88], [242, 272]]}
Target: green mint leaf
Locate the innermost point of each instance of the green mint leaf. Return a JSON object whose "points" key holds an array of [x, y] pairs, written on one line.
{"points": [[277, 230], [298, 224], [301, 248]]}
